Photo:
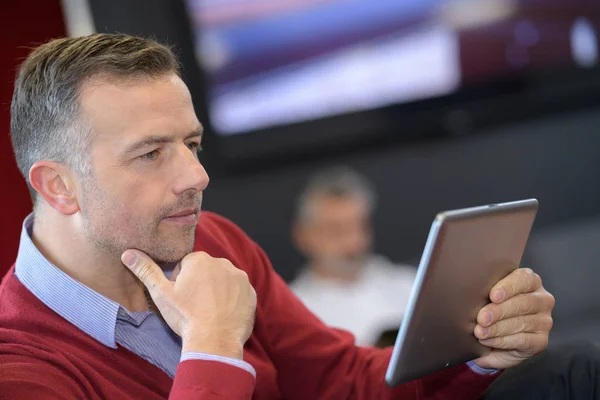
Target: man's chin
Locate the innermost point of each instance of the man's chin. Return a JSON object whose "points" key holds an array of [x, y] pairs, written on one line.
{"points": [[346, 266], [164, 253], [167, 255]]}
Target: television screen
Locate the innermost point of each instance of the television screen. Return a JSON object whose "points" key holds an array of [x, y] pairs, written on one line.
{"points": [[271, 62]]}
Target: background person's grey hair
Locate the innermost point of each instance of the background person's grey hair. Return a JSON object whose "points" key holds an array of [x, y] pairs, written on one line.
{"points": [[340, 181], [46, 122]]}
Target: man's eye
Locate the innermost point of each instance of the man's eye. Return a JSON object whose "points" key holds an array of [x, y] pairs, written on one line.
{"points": [[195, 146], [151, 156]]}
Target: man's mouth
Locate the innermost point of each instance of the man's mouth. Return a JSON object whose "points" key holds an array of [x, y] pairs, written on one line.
{"points": [[187, 216]]}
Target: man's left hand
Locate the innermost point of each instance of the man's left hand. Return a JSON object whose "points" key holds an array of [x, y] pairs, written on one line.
{"points": [[517, 322]]}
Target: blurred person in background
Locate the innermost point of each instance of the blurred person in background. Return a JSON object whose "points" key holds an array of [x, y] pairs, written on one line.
{"points": [[344, 283]]}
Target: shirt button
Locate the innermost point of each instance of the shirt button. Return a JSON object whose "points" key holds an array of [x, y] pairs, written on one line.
{"points": [[122, 312]]}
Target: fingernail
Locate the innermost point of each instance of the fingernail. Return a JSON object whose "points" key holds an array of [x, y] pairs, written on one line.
{"points": [[485, 331], [500, 295], [129, 258], [488, 317], [485, 341]]}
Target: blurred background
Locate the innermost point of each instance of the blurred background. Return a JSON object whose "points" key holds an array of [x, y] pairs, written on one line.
{"points": [[439, 104]]}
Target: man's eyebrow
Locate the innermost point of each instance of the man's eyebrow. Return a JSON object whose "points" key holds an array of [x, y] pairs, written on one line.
{"points": [[159, 139]]}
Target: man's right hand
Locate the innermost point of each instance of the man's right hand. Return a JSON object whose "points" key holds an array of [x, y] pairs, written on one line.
{"points": [[210, 303]]}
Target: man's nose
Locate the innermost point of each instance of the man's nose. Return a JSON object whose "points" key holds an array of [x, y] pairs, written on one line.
{"points": [[190, 173], [354, 243]]}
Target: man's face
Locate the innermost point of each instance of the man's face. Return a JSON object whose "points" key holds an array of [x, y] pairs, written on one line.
{"points": [[145, 189], [337, 232]]}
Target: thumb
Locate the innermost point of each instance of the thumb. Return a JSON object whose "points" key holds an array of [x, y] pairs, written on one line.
{"points": [[146, 270]]}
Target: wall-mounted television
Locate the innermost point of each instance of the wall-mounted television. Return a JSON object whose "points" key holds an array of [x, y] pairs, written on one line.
{"points": [[274, 80], [270, 63]]}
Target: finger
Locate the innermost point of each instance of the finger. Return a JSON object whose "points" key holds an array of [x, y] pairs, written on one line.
{"points": [[146, 270], [522, 304], [522, 324], [524, 343], [521, 280]]}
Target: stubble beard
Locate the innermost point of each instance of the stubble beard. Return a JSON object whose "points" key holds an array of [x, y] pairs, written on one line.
{"points": [[103, 217]]}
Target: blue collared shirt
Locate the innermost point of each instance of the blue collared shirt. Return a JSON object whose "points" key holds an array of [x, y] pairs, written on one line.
{"points": [[143, 333]]}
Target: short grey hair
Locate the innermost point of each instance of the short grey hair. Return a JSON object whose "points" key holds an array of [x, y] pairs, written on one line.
{"points": [[339, 181], [46, 121]]}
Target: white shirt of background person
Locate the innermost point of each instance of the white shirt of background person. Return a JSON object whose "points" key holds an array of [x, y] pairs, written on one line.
{"points": [[372, 304]]}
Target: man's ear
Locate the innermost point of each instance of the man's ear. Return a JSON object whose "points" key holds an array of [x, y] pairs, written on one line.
{"points": [[299, 237], [53, 182]]}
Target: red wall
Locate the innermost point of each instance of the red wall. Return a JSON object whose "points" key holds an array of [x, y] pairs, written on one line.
{"points": [[24, 24]]}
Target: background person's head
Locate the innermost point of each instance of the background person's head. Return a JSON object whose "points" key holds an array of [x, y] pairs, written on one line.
{"points": [[104, 132], [332, 225]]}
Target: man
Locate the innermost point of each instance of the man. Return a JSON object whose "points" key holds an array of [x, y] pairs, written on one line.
{"points": [[344, 284], [105, 134]]}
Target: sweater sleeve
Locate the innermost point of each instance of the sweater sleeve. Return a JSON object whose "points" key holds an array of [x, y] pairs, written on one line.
{"points": [[211, 380], [27, 378], [314, 361]]}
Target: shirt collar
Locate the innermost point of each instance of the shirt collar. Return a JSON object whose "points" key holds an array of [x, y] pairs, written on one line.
{"points": [[88, 310]]}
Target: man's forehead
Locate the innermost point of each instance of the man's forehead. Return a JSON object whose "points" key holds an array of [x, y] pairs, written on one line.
{"points": [[328, 207], [114, 92], [337, 199], [114, 105]]}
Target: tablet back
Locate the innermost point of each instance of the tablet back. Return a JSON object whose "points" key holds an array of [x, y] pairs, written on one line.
{"points": [[467, 252]]}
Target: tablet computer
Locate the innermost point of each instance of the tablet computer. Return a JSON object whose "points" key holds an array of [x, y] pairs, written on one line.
{"points": [[467, 252]]}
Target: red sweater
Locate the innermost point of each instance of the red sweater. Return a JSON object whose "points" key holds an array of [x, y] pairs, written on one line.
{"points": [[42, 356]]}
